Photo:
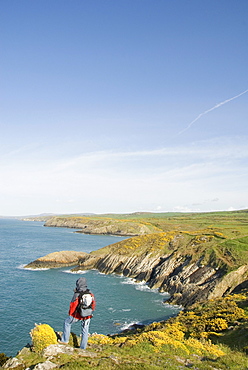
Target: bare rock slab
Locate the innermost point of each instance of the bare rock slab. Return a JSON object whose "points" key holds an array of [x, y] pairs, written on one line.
{"points": [[57, 259]]}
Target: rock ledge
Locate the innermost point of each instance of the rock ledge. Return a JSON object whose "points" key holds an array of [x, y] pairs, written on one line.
{"points": [[57, 259]]}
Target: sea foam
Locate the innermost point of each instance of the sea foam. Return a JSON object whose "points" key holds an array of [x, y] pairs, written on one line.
{"points": [[80, 272], [22, 267]]}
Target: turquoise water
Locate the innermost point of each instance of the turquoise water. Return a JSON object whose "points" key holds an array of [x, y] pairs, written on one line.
{"points": [[42, 296]]}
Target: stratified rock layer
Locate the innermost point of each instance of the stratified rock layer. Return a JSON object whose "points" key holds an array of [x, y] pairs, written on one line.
{"points": [[189, 266], [173, 263]]}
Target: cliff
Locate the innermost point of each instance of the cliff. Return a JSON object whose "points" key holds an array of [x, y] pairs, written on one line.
{"points": [[57, 259], [213, 333], [190, 267], [94, 225]]}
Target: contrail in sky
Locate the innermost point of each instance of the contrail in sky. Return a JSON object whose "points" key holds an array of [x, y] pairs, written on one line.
{"points": [[213, 108]]}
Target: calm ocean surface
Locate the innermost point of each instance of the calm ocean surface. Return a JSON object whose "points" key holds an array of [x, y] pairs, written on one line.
{"points": [[42, 296]]}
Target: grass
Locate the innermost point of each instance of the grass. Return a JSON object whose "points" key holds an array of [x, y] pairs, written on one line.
{"points": [[220, 239], [187, 340], [234, 223], [170, 220], [104, 225], [208, 245]]}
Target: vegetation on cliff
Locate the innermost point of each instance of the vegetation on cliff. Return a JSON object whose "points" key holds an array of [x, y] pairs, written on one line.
{"points": [[190, 265], [209, 335], [191, 256], [231, 223], [210, 245], [42, 336], [106, 225]]}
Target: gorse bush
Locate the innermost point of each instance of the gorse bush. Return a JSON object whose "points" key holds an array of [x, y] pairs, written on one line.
{"points": [[42, 336], [211, 316], [170, 337], [197, 338]]}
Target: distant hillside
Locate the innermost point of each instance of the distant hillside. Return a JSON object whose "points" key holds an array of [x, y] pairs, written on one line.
{"points": [[232, 224], [46, 216], [103, 225]]}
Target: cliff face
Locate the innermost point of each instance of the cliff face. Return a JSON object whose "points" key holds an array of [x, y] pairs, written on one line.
{"points": [[185, 281], [189, 266], [188, 274], [89, 225]]}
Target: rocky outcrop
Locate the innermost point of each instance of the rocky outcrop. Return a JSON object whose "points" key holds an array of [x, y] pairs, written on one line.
{"points": [[187, 282], [189, 267], [181, 273], [57, 259], [55, 349], [49, 356], [231, 282], [89, 225], [14, 363]]}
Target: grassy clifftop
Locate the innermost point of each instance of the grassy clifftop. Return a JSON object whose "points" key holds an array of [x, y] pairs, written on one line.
{"points": [[103, 225], [232, 224], [191, 265], [207, 336], [211, 246], [219, 238], [190, 256]]}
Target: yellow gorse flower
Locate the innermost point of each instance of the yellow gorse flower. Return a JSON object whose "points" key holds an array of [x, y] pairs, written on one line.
{"points": [[42, 336]]}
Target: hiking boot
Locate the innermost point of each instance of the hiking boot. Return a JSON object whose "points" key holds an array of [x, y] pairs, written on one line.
{"points": [[59, 342]]}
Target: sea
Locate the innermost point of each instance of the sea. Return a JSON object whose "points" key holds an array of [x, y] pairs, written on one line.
{"points": [[43, 296]]}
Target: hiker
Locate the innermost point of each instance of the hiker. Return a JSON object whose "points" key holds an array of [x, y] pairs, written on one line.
{"points": [[81, 308]]}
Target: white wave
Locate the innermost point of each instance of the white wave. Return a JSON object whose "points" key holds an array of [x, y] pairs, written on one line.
{"points": [[128, 325], [131, 281], [165, 294], [126, 309], [22, 267], [145, 288], [142, 286], [176, 307], [99, 272], [81, 272]]}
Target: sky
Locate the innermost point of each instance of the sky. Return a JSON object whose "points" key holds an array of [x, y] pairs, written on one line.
{"points": [[123, 106]]}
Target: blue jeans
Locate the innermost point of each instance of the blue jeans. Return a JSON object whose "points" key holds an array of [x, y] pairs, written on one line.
{"points": [[84, 330]]}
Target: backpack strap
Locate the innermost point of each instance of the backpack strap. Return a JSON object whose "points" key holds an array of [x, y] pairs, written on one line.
{"points": [[82, 291]]}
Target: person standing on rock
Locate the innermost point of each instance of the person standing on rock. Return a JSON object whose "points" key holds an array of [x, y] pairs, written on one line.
{"points": [[81, 308]]}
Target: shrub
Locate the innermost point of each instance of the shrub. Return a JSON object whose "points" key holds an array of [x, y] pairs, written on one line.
{"points": [[216, 325], [210, 316], [42, 336]]}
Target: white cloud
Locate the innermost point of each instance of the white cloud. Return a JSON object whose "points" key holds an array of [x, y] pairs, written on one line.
{"points": [[186, 178]]}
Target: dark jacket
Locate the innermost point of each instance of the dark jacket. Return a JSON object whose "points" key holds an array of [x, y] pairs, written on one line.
{"points": [[81, 286]]}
